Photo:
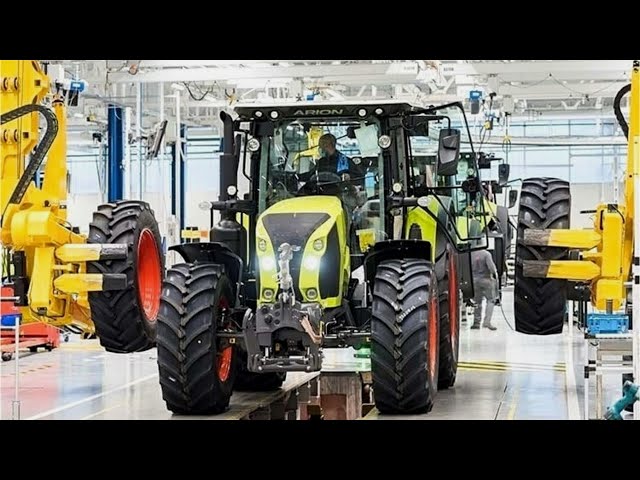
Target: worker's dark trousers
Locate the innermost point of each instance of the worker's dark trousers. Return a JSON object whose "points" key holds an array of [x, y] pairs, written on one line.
{"points": [[484, 290]]}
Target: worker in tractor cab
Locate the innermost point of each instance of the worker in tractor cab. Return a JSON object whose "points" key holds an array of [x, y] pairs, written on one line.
{"points": [[485, 283], [334, 161], [333, 174]]}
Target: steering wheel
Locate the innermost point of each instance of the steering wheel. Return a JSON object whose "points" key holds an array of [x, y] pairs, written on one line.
{"points": [[327, 183]]}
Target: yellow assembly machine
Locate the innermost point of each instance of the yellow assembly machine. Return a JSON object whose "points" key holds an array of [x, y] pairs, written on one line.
{"points": [[554, 264], [108, 282]]}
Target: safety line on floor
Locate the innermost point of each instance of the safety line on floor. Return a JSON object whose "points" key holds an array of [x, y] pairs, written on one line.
{"points": [[487, 367], [521, 364], [513, 407], [81, 348], [25, 372], [91, 398]]}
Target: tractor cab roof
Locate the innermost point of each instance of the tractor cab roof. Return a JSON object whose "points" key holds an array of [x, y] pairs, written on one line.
{"points": [[313, 109]]}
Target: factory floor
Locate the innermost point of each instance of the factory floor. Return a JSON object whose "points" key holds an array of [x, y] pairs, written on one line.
{"points": [[502, 375]]}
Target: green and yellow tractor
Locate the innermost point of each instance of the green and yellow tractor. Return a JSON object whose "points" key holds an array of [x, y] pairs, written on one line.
{"points": [[374, 253]]}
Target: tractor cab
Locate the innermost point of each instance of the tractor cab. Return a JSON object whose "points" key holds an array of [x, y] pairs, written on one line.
{"points": [[322, 157]]}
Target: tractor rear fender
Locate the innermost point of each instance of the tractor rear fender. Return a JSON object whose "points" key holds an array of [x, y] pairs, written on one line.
{"points": [[394, 249], [213, 252]]}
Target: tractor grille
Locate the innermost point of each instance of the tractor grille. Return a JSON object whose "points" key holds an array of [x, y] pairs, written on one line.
{"points": [[294, 229]]}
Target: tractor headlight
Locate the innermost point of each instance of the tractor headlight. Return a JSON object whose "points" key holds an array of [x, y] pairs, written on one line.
{"points": [[253, 145], [311, 263], [268, 264], [423, 202], [262, 245], [318, 245], [384, 142]]}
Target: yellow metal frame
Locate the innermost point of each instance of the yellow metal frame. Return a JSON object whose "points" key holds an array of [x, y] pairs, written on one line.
{"points": [[56, 256], [606, 251]]}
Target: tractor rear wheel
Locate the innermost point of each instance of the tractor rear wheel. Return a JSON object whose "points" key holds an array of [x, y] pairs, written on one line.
{"points": [[125, 320], [540, 303], [196, 367], [247, 381], [404, 336], [449, 307]]}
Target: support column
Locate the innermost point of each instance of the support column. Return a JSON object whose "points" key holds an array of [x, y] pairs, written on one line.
{"points": [[115, 153], [178, 155]]}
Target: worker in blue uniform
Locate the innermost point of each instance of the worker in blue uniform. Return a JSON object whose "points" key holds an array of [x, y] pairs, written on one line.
{"points": [[334, 161]]}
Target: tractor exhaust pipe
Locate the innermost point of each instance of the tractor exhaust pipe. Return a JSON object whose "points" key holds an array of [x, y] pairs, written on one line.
{"points": [[230, 158], [228, 231]]}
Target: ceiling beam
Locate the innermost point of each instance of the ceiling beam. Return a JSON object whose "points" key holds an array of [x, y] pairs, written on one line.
{"points": [[582, 68], [554, 91], [217, 63], [356, 72]]}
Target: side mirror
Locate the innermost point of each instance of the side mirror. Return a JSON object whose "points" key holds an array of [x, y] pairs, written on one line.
{"points": [[448, 152], [503, 173], [513, 198]]}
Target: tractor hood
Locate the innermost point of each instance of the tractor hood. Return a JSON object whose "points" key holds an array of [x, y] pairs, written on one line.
{"points": [[315, 227]]}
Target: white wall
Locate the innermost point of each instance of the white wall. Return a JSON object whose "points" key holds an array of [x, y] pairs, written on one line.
{"points": [[587, 196]]}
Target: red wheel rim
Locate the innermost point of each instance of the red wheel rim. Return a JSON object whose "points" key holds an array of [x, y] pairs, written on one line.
{"points": [[149, 272], [225, 354], [453, 300], [433, 336], [223, 367]]}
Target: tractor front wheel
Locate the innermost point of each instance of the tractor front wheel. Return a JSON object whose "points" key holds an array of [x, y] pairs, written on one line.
{"points": [[125, 320], [405, 336], [196, 367]]}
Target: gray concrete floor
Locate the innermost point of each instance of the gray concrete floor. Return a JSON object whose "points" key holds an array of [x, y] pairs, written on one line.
{"points": [[502, 375]]}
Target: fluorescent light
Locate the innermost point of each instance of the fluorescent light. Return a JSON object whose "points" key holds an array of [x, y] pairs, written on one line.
{"points": [[177, 86]]}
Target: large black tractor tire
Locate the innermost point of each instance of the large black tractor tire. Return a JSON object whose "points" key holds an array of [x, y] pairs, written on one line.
{"points": [[125, 320], [247, 381], [196, 368], [540, 303], [404, 336], [449, 308]]}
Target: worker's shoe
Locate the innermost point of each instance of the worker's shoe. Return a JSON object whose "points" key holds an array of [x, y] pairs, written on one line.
{"points": [[475, 326], [490, 327]]}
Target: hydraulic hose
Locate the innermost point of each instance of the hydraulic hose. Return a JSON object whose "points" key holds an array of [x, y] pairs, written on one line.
{"points": [[618, 111], [40, 152]]}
